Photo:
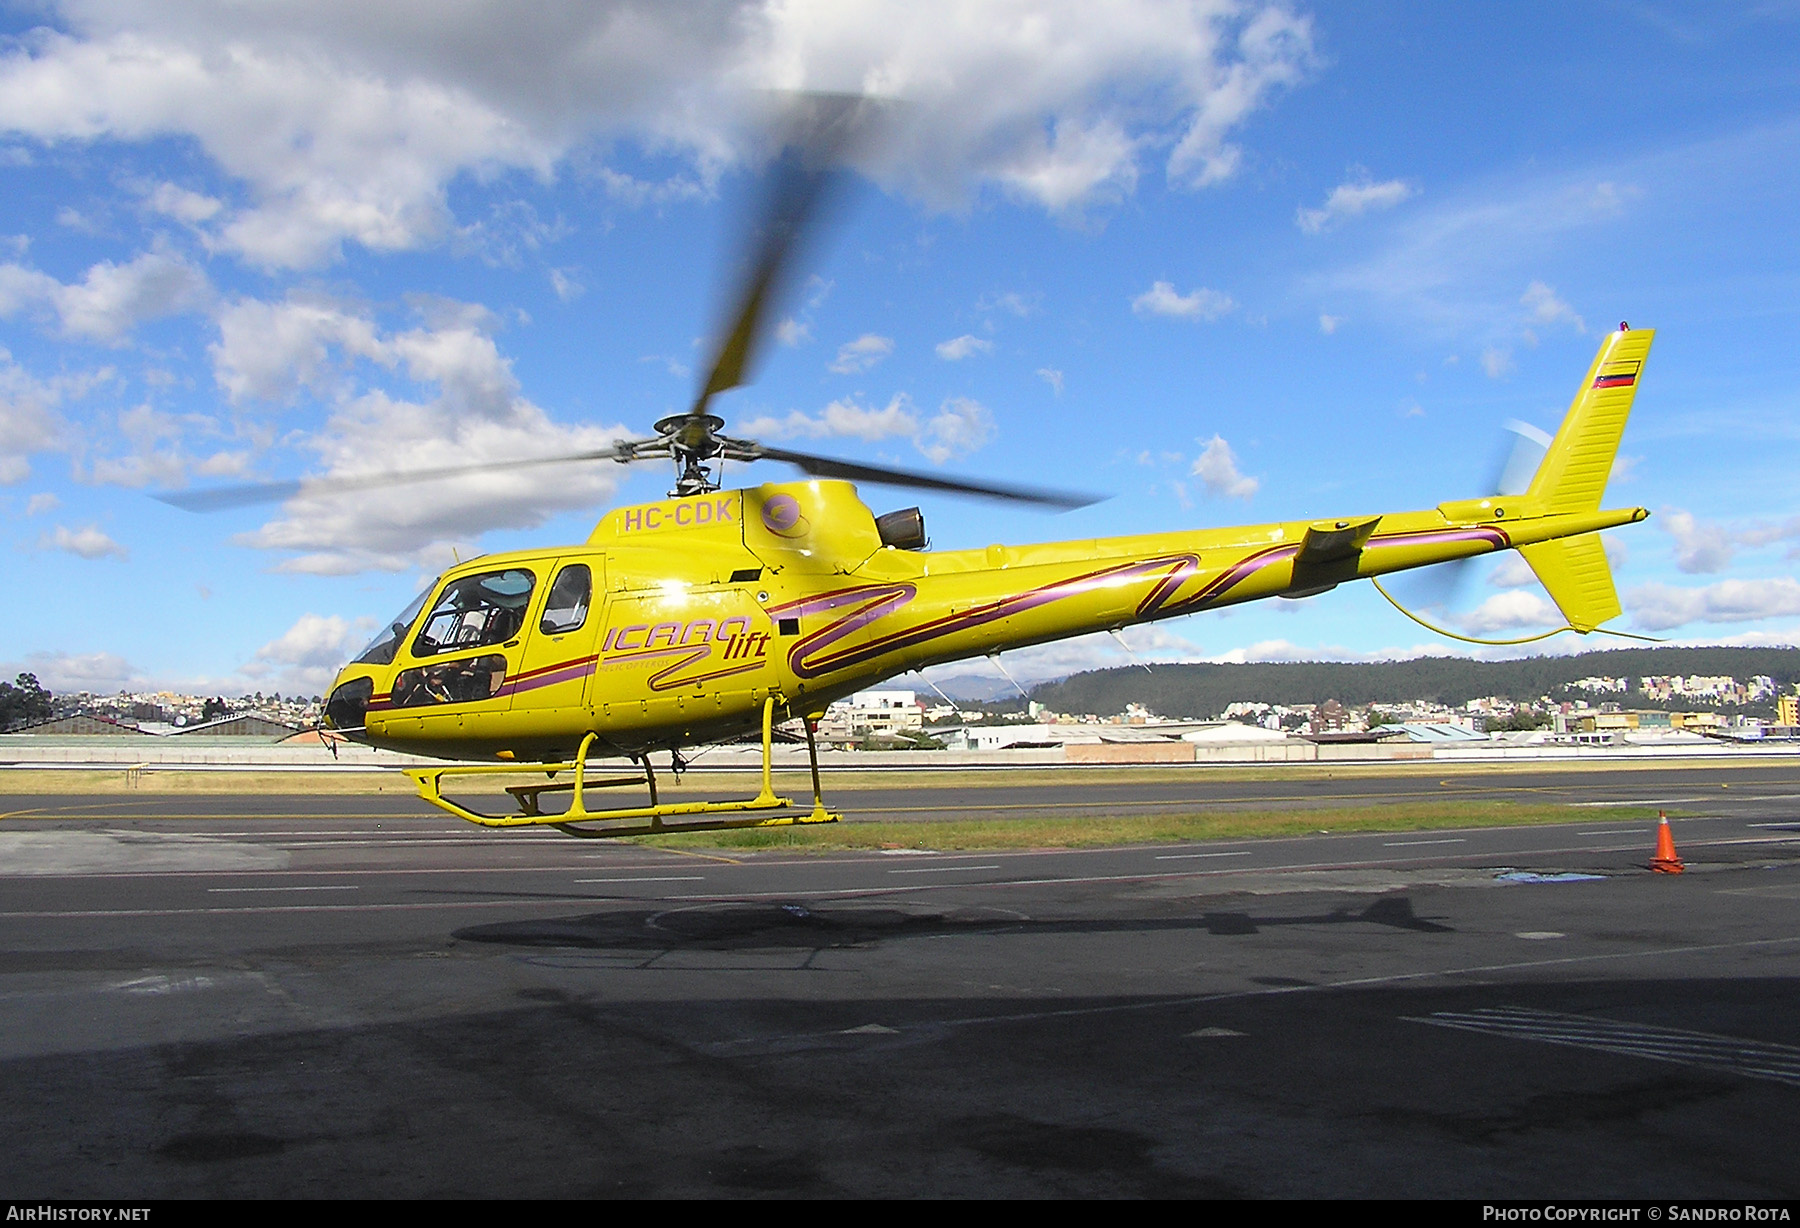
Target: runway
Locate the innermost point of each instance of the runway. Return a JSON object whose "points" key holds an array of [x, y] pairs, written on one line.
{"points": [[276, 996]]}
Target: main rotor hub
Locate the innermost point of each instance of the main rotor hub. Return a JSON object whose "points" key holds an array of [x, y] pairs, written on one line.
{"points": [[691, 432]]}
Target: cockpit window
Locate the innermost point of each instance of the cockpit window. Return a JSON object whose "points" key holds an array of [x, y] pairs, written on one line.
{"points": [[476, 611], [458, 681], [381, 649], [567, 606]]}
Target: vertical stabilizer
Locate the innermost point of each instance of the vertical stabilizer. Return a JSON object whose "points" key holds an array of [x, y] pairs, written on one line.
{"points": [[1572, 479], [1573, 475]]}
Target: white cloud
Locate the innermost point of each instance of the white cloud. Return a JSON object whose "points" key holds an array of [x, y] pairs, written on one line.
{"points": [[473, 412], [958, 348], [156, 450], [88, 542], [62, 672], [1704, 547], [1454, 267], [43, 501], [347, 122], [1276, 650], [1547, 308], [855, 357], [111, 299], [28, 424], [793, 332], [961, 426], [1497, 362], [1701, 548], [1329, 324], [1352, 199], [1511, 610], [1149, 643], [306, 656], [179, 203], [1201, 304], [1512, 572], [270, 351], [1053, 377], [842, 419], [1659, 607], [1764, 533], [1011, 301], [1217, 467], [568, 287]]}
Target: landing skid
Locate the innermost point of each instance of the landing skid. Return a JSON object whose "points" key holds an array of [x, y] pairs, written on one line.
{"points": [[631, 820]]}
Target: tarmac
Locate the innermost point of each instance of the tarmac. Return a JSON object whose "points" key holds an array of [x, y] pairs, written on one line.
{"points": [[281, 996]]}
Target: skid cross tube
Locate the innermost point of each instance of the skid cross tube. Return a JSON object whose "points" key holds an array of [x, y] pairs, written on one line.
{"points": [[628, 820]]}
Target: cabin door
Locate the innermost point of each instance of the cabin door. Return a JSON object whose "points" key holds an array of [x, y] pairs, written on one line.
{"points": [[557, 665], [683, 662]]}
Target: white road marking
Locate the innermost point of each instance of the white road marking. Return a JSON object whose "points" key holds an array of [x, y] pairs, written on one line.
{"points": [[1196, 856], [1406, 844], [1646, 801], [238, 890], [672, 878], [943, 869], [1752, 1059]]}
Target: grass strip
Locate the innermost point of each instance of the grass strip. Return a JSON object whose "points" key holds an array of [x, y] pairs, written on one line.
{"points": [[1119, 829]]}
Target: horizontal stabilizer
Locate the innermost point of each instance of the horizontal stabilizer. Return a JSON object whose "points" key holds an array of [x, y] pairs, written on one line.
{"points": [[1575, 572]]}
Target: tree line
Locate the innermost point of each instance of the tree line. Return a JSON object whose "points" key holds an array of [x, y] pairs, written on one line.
{"points": [[1204, 691]]}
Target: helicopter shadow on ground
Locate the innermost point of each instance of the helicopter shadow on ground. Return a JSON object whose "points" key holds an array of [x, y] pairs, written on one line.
{"points": [[801, 927]]}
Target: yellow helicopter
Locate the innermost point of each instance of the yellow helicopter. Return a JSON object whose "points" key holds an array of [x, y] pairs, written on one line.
{"points": [[718, 613]]}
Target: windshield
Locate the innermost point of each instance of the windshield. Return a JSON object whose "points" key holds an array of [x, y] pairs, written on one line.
{"points": [[476, 611], [381, 649]]}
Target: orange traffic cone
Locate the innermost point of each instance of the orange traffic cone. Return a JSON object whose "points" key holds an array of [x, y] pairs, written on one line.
{"points": [[1667, 860]]}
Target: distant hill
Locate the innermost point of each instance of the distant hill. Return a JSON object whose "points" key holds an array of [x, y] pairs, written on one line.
{"points": [[974, 688], [1204, 691]]}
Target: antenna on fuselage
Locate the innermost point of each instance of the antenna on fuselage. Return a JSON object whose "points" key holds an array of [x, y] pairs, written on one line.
{"points": [[995, 658], [1117, 635]]}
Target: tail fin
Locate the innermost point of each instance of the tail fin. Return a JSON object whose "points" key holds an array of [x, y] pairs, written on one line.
{"points": [[1573, 474], [1572, 478]]}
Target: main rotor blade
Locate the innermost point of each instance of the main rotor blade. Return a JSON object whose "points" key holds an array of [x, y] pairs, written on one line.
{"points": [[822, 130], [219, 498], [826, 467]]}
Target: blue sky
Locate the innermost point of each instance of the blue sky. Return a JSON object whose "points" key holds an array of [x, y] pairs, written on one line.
{"points": [[1228, 262]]}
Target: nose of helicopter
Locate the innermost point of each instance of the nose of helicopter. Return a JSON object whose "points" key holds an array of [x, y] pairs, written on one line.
{"points": [[347, 706]]}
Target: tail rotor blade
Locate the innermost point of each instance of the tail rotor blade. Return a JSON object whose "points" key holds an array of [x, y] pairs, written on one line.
{"points": [[1523, 458]]}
